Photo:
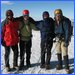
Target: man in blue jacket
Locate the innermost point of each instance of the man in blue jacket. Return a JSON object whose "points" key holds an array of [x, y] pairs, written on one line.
{"points": [[46, 27], [62, 31]]}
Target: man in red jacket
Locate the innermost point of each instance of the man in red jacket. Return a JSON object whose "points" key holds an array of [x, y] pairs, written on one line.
{"points": [[10, 38]]}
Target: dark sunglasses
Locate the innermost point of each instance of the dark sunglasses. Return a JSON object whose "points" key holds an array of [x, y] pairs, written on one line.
{"points": [[25, 15], [10, 15], [58, 15]]}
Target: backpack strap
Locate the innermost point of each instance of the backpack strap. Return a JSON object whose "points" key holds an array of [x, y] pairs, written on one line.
{"points": [[63, 27]]}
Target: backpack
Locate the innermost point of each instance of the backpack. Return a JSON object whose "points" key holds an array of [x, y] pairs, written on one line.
{"points": [[70, 28]]}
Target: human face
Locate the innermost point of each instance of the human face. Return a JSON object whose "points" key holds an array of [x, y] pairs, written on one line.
{"points": [[26, 17], [58, 17], [9, 16], [45, 16]]}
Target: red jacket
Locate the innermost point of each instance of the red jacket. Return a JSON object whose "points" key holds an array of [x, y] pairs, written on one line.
{"points": [[10, 33]]}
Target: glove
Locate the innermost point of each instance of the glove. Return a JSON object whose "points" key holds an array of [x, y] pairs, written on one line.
{"points": [[2, 42]]}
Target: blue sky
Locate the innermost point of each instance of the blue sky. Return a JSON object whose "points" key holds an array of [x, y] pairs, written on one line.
{"points": [[36, 8]]}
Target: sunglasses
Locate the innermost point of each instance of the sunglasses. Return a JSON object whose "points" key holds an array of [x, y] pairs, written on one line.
{"points": [[10, 15], [57, 14], [25, 15]]}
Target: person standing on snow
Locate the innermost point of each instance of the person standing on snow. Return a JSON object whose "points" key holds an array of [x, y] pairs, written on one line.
{"points": [[62, 31], [10, 38], [25, 31], [46, 27]]}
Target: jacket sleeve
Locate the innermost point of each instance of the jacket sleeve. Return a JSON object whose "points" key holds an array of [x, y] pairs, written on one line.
{"points": [[3, 28], [39, 25], [66, 30], [52, 29], [33, 26], [2, 32], [31, 20], [19, 18]]}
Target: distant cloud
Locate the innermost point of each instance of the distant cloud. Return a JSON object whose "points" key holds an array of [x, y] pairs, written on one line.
{"points": [[6, 2]]}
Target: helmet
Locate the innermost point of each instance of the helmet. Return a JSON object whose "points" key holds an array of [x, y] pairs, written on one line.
{"points": [[9, 12], [58, 11], [45, 13], [25, 12]]}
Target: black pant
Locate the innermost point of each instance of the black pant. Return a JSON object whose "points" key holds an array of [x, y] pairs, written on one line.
{"points": [[25, 46], [15, 56], [46, 46]]}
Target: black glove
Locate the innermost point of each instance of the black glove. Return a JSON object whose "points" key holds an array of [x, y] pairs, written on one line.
{"points": [[2, 42]]}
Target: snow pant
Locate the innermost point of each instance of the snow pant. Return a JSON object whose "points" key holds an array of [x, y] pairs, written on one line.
{"points": [[62, 50], [46, 46], [25, 47], [15, 56]]}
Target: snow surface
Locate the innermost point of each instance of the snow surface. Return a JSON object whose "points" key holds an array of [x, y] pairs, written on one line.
{"points": [[35, 57]]}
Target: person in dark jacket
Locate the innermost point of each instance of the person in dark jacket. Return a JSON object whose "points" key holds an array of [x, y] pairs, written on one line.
{"points": [[46, 27], [25, 30], [10, 38], [62, 38]]}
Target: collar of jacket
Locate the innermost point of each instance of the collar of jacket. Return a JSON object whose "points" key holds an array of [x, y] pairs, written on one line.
{"points": [[7, 21]]}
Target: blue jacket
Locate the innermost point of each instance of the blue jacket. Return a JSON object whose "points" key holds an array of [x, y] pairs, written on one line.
{"points": [[46, 28]]}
